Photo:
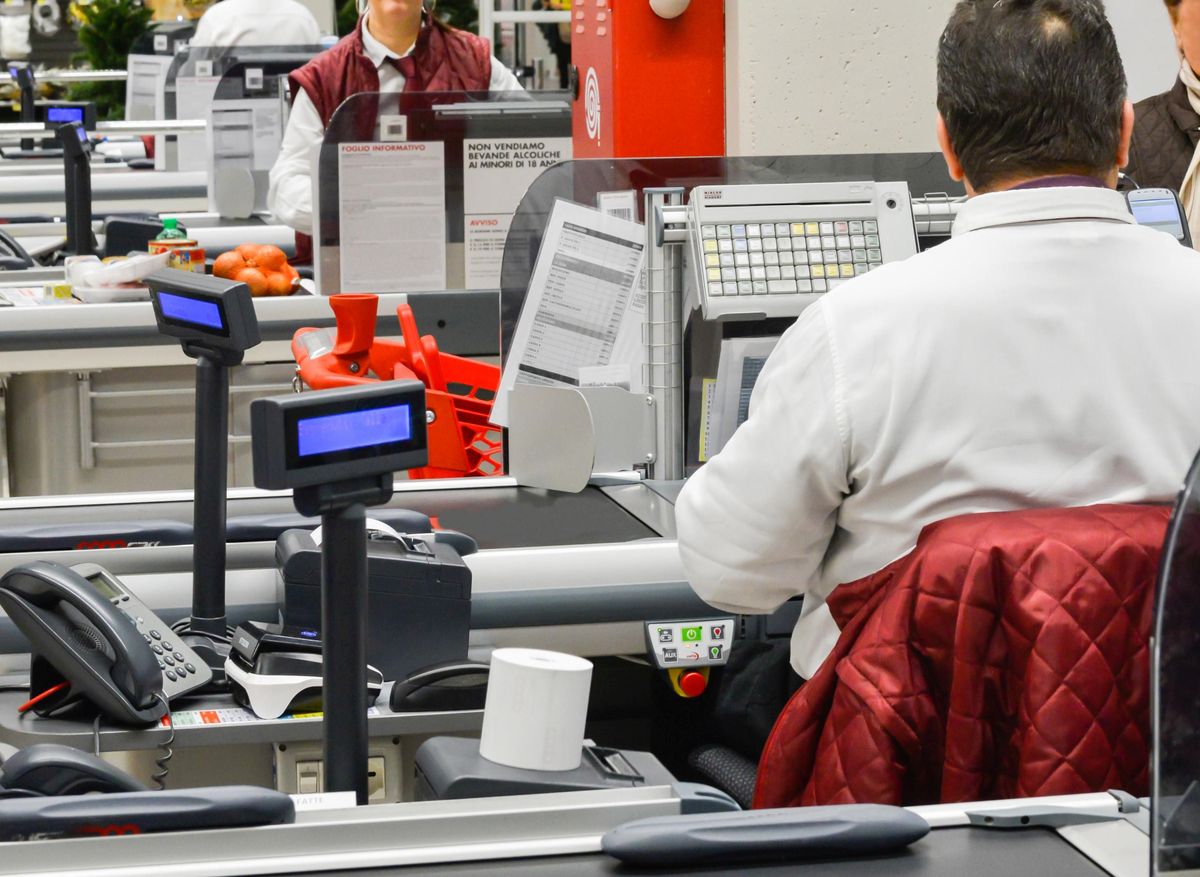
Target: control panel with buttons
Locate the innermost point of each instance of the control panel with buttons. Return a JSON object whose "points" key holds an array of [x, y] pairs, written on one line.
{"points": [[182, 669], [690, 644], [758, 251]]}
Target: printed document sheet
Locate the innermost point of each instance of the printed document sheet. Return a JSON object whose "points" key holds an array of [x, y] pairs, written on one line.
{"points": [[585, 305], [496, 174], [392, 210]]}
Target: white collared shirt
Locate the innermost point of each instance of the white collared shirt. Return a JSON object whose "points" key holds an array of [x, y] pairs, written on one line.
{"points": [[257, 23], [1047, 356], [290, 195]]}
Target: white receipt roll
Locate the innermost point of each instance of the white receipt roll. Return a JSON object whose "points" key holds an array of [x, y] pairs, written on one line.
{"points": [[535, 710]]}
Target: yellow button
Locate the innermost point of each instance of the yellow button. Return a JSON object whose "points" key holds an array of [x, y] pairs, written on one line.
{"points": [[713, 260], [797, 229], [714, 273], [818, 270], [813, 228], [710, 246], [847, 270]]}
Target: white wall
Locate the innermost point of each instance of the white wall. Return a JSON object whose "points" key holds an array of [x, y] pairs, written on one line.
{"points": [[825, 76], [1144, 35]]}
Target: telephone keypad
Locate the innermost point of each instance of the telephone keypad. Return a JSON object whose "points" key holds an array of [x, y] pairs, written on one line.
{"points": [[170, 657]]}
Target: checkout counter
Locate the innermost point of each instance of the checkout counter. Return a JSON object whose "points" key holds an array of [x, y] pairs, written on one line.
{"points": [[578, 572], [197, 174]]}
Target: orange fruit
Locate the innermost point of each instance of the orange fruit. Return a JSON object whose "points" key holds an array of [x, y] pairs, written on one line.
{"points": [[248, 252], [255, 279], [228, 265], [271, 258], [279, 284]]}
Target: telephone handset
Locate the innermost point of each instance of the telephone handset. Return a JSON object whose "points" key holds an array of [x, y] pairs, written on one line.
{"points": [[89, 642], [85, 629], [12, 255]]}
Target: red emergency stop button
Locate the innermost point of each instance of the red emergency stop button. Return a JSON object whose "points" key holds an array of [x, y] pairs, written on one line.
{"points": [[693, 684]]}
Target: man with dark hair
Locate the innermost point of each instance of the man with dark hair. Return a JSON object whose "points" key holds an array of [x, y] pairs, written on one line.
{"points": [[1048, 355], [1031, 88]]}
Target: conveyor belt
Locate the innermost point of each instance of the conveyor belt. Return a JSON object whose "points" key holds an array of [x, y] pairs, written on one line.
{"points": [[947, 852], [496, 517]]}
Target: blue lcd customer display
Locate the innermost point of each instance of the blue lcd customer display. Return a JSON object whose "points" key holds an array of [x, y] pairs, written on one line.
{"points": [[191, 310], [205, 313], [63, 115], [354, 429], [331, 436]]}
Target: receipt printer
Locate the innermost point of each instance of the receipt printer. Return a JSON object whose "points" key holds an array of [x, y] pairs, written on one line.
{"points": [[452, 768], [418, 599]]}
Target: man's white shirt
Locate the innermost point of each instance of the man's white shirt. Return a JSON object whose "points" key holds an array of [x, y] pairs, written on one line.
{"points": [[290, 195], [1048, 355]]}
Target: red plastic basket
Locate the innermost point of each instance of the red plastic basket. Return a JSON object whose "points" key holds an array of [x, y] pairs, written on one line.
{"points": [[459, 392]]}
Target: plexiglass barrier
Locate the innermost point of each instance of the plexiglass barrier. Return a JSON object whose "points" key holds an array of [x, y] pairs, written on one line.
{"points": [[192, 85], [586, 181], [416, 191], [1175, 810]]}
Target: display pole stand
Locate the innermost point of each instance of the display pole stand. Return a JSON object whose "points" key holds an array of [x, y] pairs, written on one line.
{"points": [[211, 478], [342, 507], [215, 323], [77, 165], [207, 631], [22, 75]]}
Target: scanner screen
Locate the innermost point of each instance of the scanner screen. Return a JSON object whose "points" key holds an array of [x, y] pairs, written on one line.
{"points": [[191, 310], [1161, 213], [354, 429]]}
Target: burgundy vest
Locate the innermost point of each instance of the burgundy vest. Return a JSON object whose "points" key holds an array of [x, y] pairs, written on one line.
{"points": [[443, 59]]}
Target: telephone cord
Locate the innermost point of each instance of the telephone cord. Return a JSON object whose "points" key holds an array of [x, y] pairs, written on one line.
{"points": [[160, 775]]}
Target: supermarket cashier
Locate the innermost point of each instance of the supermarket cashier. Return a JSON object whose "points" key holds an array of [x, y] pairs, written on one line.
{"points": [[397, 46]]}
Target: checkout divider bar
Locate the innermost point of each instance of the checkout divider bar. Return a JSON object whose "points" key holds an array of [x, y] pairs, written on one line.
{"points": [[381, 836]]}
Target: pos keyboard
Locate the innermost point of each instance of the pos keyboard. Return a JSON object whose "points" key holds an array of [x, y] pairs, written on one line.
{"points": [[770, 250]]}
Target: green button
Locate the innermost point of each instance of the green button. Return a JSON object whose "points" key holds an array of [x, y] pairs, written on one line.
{"points": [[693, 634]]}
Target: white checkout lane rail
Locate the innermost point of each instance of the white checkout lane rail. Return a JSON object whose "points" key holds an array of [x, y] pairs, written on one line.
{"points": [[477, 830], [1116, 840], [95, 319], [112, 192]]}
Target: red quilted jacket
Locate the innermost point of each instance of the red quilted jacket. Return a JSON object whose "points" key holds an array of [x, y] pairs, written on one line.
{"points": [[1006, 656], [443, 59]]}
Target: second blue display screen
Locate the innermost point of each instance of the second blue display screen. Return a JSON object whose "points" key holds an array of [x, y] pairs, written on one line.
{"points": [[354, 429]]}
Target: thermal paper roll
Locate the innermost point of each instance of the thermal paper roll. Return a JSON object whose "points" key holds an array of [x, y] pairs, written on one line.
{"points": [[535, 710]]}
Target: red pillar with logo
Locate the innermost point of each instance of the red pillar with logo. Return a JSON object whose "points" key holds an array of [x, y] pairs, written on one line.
{"points": [[648, 86]]}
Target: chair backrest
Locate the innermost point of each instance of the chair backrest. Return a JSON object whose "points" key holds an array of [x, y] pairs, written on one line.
{"points": [[1175, 679]]}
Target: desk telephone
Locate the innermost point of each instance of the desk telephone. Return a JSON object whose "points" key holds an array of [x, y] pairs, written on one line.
{"points": [[12, 255], [93, 640]]}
